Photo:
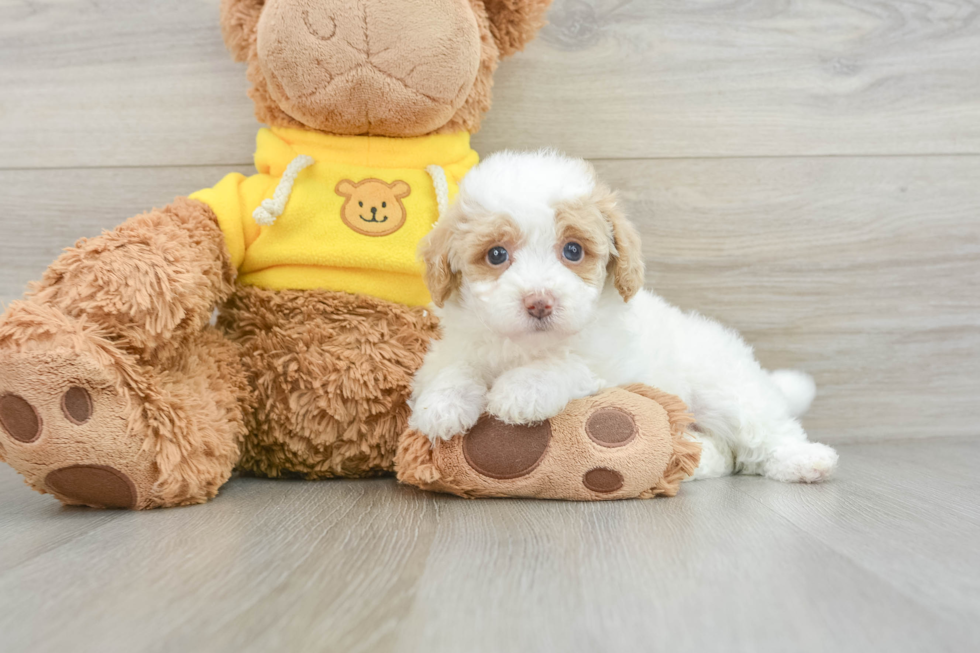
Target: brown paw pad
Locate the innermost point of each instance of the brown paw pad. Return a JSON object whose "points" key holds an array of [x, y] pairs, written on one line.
{"points": [[499, 451], [98, 486], [76, 404], [611, 427], [19, 418], [602, 479]]}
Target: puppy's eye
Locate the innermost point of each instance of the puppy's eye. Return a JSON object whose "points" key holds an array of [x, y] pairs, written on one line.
{"points": [[360, 203], [497, 256], [384, 205], [573, 252]]}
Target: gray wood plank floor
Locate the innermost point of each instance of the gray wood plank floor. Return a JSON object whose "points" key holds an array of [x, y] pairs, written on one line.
{"points": [[884, 558]]}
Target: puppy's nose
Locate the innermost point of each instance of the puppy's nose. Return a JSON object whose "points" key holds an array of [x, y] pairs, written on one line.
{"points": [[374, 210], [539, 305]]}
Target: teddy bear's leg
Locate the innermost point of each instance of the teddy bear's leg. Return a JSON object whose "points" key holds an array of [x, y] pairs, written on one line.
{"points": [[620, 443], [114, 391], [332, 373]]}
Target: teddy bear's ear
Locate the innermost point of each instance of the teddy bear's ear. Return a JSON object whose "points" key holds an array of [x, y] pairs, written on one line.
{"points": [[345, 188], [515, 22], [239, 19], [400, 189]]}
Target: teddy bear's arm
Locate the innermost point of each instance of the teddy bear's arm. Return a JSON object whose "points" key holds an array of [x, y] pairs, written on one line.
{"points": [[147, 282]]}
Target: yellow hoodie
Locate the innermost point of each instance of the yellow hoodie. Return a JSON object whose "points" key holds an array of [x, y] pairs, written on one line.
{"points": [[342, 213]]}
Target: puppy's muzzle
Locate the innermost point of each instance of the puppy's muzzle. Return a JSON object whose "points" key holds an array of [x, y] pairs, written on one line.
{"points": [[539, 305]]}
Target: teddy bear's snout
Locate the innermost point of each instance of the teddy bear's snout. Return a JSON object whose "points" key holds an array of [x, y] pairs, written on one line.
{"points": [[422, 58], [374, 216]]}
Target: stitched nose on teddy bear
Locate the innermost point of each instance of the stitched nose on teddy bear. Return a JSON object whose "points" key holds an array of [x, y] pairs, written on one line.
{"points": [[385, 67], [374, 216]]}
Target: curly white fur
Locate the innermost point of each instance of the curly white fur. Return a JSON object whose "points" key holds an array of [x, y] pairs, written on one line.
{"points": [[494, 357]]}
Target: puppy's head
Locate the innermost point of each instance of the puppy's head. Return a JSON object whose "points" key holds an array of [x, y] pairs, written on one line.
{"points": [[530, 245]]}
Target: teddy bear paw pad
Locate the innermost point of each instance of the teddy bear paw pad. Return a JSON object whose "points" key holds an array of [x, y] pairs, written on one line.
{"points": [[93, 485], [503, 452], [19, 418], [65, 427], [603, 479], [611, 427]]}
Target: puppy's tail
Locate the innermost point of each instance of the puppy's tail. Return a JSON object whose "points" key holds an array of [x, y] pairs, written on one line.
{"points": [[798, 388]]}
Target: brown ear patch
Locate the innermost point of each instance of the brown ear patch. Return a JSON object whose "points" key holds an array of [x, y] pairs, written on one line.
{"points": [[373, 207], [499, 451], [611, 427], [19, 418], [626, 266]]}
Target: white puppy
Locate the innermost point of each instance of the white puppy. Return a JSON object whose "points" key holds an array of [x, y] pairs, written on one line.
{"points": [[539, 278]]}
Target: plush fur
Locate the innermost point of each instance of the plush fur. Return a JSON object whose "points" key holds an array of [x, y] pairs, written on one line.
{"points": [[525, 333], [151, 282], [331, 373], [309, 383]]}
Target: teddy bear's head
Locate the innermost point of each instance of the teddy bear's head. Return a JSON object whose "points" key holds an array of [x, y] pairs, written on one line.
{"points": [[379, 67]]}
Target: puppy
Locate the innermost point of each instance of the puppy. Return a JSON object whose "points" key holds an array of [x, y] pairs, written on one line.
{"points": [[538, 279]]}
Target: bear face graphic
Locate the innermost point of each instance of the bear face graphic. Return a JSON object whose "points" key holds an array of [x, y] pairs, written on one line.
{"points": [[373, 207]]}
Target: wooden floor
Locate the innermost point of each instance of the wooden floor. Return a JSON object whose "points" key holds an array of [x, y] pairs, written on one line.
{"points": [[885, 558]]}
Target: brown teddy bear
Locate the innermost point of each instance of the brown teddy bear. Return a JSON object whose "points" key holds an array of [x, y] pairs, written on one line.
{"points": [[116, 390]]}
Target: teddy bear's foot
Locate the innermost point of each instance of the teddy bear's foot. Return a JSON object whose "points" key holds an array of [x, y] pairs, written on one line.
{"points": [[65, 427], [95, 425], [622, 443]]}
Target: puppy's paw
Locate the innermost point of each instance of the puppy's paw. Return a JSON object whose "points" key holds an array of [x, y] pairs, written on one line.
{"points": [[523, 396], [442, 414], [801, 462]]}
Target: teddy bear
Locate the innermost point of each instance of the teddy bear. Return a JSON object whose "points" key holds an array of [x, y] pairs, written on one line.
{"points": [[117, 389]]}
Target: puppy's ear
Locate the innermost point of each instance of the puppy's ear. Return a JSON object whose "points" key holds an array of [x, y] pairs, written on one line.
{"points": [[239, 22], [436, 252], [626, 260], [515, 22]]}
